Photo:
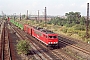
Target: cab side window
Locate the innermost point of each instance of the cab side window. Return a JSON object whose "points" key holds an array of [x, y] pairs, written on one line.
{"points": [[52, 36]]}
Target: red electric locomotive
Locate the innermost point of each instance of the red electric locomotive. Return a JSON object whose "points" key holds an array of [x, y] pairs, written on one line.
{"points": [[47, 37]]}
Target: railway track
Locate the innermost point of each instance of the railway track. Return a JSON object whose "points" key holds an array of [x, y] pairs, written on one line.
{"points": [[71, 45], [76, 47], [6, 54], [77, 43], [6, 45]]}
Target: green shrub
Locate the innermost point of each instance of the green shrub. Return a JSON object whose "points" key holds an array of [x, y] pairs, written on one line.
{"points": [[82, 34], [70, 30], [75, 31], [69, 25], [64, 30], [22, 47], [79, 27]]}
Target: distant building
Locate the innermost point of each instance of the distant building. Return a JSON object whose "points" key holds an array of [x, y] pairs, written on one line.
{"points": [[64, 17], [41, 17]]}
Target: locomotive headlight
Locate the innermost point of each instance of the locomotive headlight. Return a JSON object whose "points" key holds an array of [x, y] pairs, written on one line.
{"points": [[49, 42], [56, 42]]}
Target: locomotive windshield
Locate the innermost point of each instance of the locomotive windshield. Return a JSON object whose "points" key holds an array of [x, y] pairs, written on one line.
{"points": [[52, 36]]}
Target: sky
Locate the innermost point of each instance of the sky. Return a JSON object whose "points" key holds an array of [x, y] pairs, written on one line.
{"points": [[54, 7]]}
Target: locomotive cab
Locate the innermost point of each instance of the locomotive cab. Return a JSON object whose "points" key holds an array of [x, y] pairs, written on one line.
{"points": [[53, 40]]}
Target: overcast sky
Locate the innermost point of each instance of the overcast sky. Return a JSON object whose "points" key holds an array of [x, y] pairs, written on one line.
{"points": [[54, 7]]}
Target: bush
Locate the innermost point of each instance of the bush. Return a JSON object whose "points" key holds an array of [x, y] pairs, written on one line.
{"points": [[69, 25], [82, 34], [79, 27], [22, 47], [71, 30], [64, 30]]}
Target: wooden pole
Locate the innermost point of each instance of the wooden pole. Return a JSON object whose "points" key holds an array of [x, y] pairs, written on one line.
{"points": [[87, 21], [45, 16], [20, 16]]}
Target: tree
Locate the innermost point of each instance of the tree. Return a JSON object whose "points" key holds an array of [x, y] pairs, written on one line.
{"points": [[70, 17], [82, 20], [22, 47], [73, 17]]}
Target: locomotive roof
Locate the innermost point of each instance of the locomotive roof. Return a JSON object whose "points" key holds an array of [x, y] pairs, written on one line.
{"points": [[44, 30]]}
